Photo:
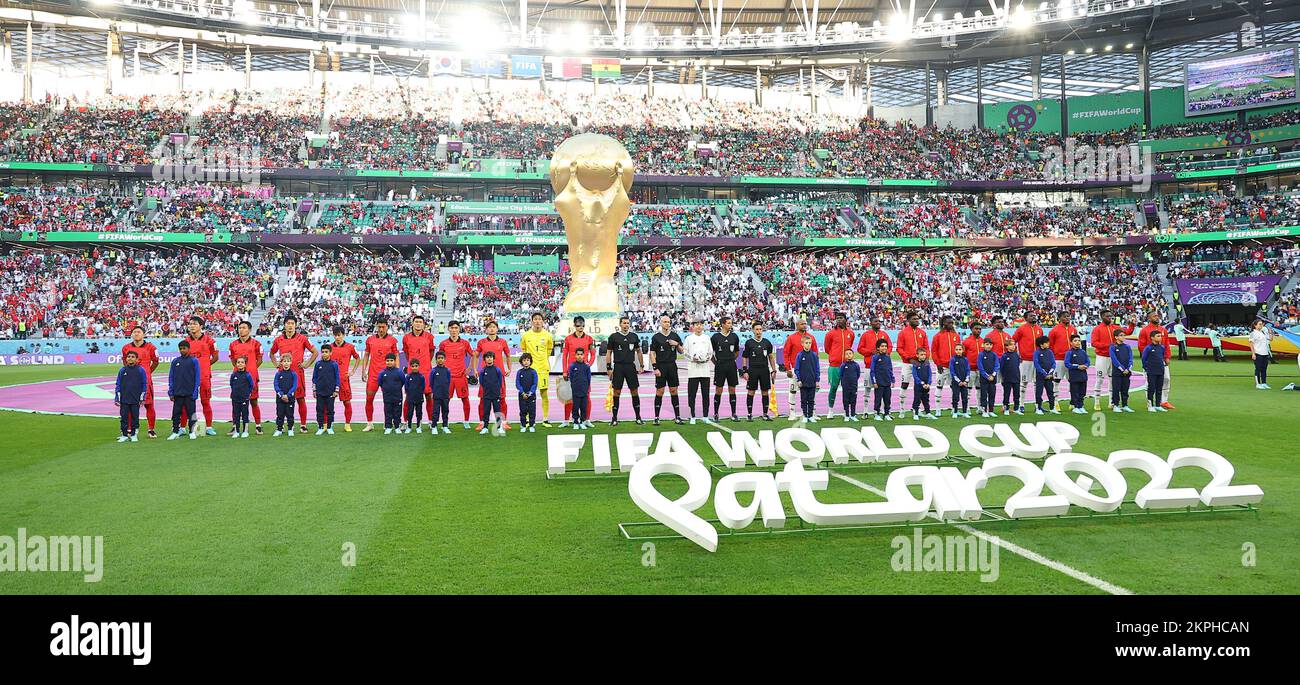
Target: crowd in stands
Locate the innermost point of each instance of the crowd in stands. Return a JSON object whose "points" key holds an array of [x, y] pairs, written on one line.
{"points": [[417, 127], [352, 289], [1198, 213], [1057, 222], [509, 298], [105, 292], [1227, 260], [44, 209]]}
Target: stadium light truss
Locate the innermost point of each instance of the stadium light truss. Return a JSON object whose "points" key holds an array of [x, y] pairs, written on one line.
{"points": [[1010, 15]]}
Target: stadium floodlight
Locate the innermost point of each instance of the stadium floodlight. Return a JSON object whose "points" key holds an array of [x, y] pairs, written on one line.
{"points": [[936, 18], [899, 28], [1065, 9], [1128, 46], [1021, 18]]}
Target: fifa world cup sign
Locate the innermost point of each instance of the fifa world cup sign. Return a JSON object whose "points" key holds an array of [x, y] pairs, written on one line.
{"points": [[591, 175]]}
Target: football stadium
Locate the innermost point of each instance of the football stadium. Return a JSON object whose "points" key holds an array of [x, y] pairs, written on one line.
{"points": [[396, 297]]}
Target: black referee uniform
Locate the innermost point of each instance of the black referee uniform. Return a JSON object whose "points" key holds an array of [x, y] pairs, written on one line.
{"points": [[726, 348], [665, 362], [623, 347]]}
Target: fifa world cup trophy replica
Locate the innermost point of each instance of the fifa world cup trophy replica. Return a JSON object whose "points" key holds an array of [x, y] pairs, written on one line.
{"points": [[591, 175]]}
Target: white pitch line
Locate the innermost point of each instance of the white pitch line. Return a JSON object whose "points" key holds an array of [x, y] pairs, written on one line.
{"points": [[994, 539]]}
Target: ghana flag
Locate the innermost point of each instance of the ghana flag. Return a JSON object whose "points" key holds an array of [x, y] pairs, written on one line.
{"points": [[606, 67]]}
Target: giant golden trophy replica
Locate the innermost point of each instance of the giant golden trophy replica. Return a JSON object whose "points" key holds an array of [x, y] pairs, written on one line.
{"points": [[591, 175]]}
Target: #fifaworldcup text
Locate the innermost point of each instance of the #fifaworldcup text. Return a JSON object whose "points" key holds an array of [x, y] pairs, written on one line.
{"points": [[945, 492]]}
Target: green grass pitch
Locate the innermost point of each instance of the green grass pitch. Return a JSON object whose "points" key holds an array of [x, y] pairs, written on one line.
{"points": [[471, 514]]}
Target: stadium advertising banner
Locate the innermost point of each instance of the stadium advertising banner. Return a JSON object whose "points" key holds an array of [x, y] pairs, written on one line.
{"points": [[1112, 112], [123, 237], [495, 239], [1244, 290], [45, 166], [513, 208], [1239, 234], [514, 262], [1038, 116], [1264, 77], [817, 181]]}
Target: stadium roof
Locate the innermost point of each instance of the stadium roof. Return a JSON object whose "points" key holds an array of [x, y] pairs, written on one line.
{"points": [[1098, 52]]}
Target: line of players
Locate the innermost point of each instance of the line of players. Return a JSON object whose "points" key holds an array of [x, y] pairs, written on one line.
{"points": [[709, 358]]}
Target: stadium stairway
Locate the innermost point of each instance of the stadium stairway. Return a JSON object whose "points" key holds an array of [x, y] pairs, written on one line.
{"points": [[1167, 291], [440, 314], [1287, 286], [852, 222]]}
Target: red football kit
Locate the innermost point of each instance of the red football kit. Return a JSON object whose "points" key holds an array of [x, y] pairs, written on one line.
{"points": [[1104, 335], [204, 348], [419, 348], [838, 340], [793, 346], [343, 355], [296, 347], [1059, 337], [377, 351], [910, 340], [972, 346], [251, 350], [147, 358], [943, 348], [500, 350], [1001, 341], [570, 354], [1144, 339], [867, 343], [1025, 337], [457, 353]]}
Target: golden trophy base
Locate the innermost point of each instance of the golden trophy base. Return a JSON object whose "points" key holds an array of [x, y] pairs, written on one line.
{"points": [[599, 325]]}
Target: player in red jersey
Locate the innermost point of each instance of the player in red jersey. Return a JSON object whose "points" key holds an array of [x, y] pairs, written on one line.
{"points": [[1001, 339], [343, 352], [789, 351], [1024, 337], [249, 348], [295, 345], [458, 353], [147, 358], [203, 347], [418, 346], [1059, 337], [1103, 335], [378, 347], [911, 340], [500, 350], [1144, 339], [576, 340], [867, 343]]}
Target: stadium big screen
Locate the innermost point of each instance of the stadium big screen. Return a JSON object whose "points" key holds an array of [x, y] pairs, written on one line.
{"points": [[1244, 80]]}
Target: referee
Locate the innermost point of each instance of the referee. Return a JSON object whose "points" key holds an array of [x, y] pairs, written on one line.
{"points": [[726, 348], [623, 359], [663, 357], [760, 369]]}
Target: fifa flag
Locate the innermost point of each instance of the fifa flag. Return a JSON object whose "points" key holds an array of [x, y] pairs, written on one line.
{"points": [[525, 66], [442, 63], [566, 67], [486, 66], [606, 67]]}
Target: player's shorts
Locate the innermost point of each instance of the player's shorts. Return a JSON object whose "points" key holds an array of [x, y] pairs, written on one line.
{"points": [[759, 379], [543, 376], [1104, 366], [301, 392], [944, 379], [345, 390], [459, 387], [625, 373], [372, 382], [1061, 372], [667, 376], [726, 374], [148, 391], [253, 395], [205, 387]]}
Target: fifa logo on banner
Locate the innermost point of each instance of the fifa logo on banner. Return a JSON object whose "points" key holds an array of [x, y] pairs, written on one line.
{"points": [[1100, 163]]}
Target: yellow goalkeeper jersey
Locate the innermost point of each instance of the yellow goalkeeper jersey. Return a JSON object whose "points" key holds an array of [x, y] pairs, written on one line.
{"points": [[540, 344]]}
